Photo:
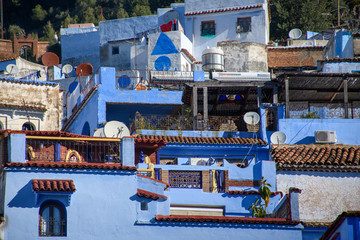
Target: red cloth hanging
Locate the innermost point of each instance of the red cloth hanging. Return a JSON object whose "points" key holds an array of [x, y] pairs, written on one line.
{"points": [[167, 27]]}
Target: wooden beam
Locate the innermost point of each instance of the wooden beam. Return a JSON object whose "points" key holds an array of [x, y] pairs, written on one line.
{"points": [[337, 90]]}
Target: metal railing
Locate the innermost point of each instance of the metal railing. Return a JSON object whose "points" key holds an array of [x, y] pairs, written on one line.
{"points": [[183, 122], [72, 150]]}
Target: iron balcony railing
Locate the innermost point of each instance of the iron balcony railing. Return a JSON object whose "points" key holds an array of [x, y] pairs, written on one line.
{"points": [[183, 122], [57, 150]]}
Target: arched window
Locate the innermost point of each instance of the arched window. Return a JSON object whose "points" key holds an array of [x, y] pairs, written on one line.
{"points": [[52, 220], [28, 126]]}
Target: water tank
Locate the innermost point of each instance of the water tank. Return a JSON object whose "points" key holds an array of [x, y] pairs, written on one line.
{"points": [[213, 60]]}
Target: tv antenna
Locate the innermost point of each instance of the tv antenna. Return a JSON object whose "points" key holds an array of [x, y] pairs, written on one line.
{"points": [[84, 69], [115, 129], [50, 59], [251, 118], [295, 33], [278, 138], [12, 69], [67, 68]]}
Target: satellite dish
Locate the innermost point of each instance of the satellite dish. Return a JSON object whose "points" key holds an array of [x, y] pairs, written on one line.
{"points": [[99, 132], [295, 33], [251, 118], [12, 69], [50, 59], [278, 138], [67, 68], [84, 69], [115, 129]]}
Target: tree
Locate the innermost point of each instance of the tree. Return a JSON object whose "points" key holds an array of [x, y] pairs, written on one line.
{"points": [[259, 207], [141, 10], [38, 13], [49, 33], [305, 15], [15, 29]]}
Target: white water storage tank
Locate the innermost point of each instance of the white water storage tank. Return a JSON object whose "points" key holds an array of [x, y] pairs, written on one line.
{"points": [[213, 60]]}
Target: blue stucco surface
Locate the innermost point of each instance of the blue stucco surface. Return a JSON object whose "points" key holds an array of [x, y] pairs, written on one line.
{"points": [[80, 48], [301, 131], [121, 29]]}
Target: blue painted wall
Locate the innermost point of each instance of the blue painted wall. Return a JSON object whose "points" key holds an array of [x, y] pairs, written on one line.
{"points": [[121, 29], [100, 108], [302, 131], [80, 48], [5, 63], [114, 205], [343, 44]]}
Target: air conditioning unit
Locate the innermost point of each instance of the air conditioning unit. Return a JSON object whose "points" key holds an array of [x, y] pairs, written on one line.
{"points": [[325, 137]]}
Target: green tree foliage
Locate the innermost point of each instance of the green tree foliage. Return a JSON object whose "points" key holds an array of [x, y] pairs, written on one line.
{"points": [[38, 13], [15, 29], [307, 15], [49, 33], [259, 207]]}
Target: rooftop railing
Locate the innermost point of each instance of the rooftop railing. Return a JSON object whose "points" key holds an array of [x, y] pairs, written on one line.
{"points": [[72, 150], [183, 122]]}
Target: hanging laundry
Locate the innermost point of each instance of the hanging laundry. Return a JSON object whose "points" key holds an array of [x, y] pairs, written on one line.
{"points": [[167, 27]]}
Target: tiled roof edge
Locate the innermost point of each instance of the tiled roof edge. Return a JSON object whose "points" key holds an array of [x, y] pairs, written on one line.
{"points": [[150, 195], [104, 166], [228, 220], [223, 10]]}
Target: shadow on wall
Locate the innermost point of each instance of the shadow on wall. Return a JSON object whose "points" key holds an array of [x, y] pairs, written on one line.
{"points": [[24, 198], [306, 140]]}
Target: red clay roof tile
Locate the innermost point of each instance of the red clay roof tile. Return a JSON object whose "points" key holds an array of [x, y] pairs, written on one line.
{"points": [[317, 157], [53, 185], [106, 166], [150, 195], [223, 10], [236, 220], [201, 140]]}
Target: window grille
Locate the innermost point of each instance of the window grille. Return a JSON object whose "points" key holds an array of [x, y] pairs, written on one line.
{"points": [[185, 179]]}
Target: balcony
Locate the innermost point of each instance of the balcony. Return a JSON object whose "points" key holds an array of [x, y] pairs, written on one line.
{"points": [[187, 122], [73, 150]]}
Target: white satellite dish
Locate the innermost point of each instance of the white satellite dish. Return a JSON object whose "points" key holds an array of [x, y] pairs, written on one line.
{"points": [[278, 138], [67, 68], [251, 118], [295, 33], [12, 69], [115, 129], [99, 132]]}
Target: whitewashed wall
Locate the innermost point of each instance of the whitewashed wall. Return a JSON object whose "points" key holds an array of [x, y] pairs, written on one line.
{"points": [[324, 195]]}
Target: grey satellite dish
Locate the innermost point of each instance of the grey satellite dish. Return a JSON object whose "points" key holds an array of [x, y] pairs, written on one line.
{"points": [[295, 33], [67, 68], [115, 129], [251, 118], [99, 132], [278, 138], [12, 69]]}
